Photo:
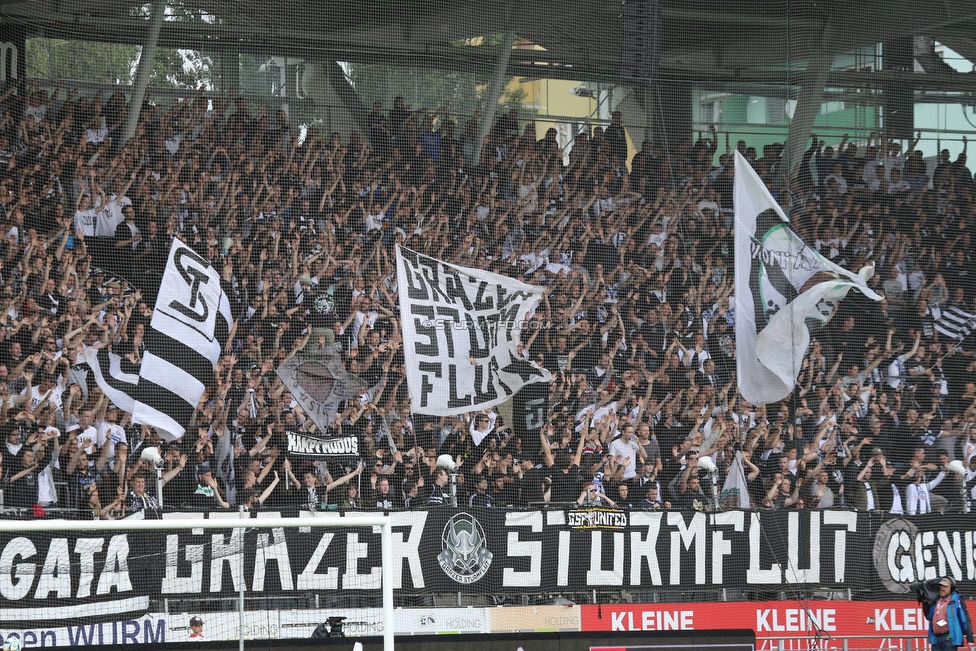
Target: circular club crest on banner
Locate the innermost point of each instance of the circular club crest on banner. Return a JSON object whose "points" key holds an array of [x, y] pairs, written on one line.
{"points": [[464, 556], [894, 555]]}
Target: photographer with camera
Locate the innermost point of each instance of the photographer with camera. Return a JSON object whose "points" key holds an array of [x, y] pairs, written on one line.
{"points": [[949, 620]]}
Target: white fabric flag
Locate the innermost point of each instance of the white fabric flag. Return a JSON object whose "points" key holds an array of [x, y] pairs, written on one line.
{"points": [[190, 322], [782, 287], [191, 319], [461, 331], [735, 490]]}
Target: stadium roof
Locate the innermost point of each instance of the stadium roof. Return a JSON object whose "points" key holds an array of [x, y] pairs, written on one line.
{"points": [[711, 43]]}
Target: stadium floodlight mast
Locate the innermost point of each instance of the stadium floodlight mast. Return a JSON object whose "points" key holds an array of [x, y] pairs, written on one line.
{"points": [[384, 522]]}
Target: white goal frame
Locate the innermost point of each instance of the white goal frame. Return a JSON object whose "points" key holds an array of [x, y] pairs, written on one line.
{"points": [[181, 523]]}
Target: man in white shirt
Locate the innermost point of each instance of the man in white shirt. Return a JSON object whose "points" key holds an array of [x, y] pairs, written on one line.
{"points": [[918, 494], [49, 439], [838, 178], [46, 388], [87, 433], [110, 215], [897, 183], [627, 450], [109, 430]]}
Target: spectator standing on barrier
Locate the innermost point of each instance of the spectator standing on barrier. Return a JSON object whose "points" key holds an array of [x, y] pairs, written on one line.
{"points": [[949, 622]]}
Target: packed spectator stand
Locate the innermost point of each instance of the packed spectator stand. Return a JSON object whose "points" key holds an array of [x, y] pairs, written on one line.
{"points": [[637, 325]]}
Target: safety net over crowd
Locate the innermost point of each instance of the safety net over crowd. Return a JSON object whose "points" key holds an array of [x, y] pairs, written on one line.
{"points": [[644, 303]]}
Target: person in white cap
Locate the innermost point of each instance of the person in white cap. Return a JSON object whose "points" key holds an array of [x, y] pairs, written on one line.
{"points": [[196, 630], [949, 622]]}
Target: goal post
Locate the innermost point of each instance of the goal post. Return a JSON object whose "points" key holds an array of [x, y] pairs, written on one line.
{"points": [[384, 522]]}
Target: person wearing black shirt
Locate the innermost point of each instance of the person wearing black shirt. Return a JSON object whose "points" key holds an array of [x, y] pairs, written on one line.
{"points": [[721, 345], [378, 129], [23, 484], [616, 138], [532, 483], [623, 497], [480, 497], [382, 496], [652, 501], [178, 489], [439, 493], [411, 488], [502, 492], [690, 496], [566, 479], [207, 494]]}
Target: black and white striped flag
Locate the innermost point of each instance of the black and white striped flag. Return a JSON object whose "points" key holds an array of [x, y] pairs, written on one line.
{"points": [[955, 323], [183, 344], [115, 375]]}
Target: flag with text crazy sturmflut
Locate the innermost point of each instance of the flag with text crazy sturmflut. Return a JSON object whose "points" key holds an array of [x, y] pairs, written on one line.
{"points": [[461, 330]]}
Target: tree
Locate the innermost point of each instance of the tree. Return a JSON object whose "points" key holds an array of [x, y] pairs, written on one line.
{"points": [[108, 63]]}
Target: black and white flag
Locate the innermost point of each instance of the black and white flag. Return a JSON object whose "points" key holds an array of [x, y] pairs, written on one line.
{"points": [[955, 323], [189, 325], [114, 375], [183, 343], [462, 328]]}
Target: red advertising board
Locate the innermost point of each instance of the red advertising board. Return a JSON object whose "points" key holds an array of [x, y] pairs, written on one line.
{"points": [[879, 624]]}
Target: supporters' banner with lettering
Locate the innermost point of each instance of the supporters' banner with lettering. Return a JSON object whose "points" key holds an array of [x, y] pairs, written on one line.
{"points": [[310, 445], [319, 382], [61, 577], [490, 551], [782, 288], [183, 343], [461, 329]]}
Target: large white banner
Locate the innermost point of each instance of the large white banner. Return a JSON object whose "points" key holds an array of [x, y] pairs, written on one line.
{"points": [[782, 286], [461, 331]]}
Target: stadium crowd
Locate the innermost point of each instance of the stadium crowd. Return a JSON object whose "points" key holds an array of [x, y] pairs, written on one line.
{"points": [[637, 326]]}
